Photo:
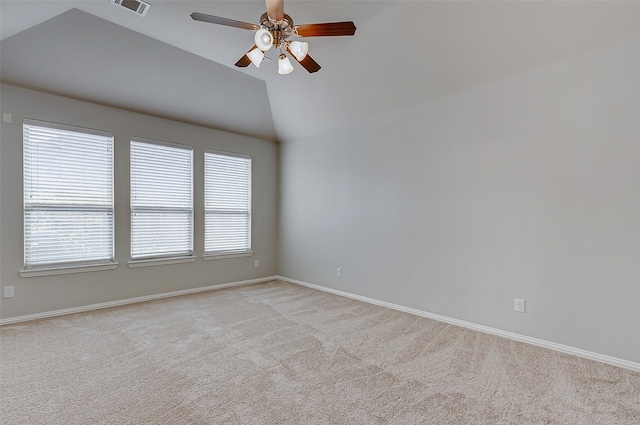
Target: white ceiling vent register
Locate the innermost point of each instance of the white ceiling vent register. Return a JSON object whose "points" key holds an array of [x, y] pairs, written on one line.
{"points": [[138, 6]]}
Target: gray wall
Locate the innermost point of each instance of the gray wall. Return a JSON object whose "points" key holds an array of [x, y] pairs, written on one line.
{"points": [[526, 187], [40, 294]]}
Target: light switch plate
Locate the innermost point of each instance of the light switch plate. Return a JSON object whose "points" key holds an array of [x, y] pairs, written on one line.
{"points": [[9, 291]]}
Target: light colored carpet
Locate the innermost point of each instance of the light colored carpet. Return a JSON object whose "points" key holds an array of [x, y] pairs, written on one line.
{"points": [[277, 353]]}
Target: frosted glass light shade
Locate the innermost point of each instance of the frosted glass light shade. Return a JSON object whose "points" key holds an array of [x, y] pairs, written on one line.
{"points": [[263, 39], [256, 56], [299, 49], [284, 66]]}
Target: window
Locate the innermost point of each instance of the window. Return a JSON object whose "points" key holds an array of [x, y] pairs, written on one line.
{"points": [[227, 200], [161, 200], [68, 196]]}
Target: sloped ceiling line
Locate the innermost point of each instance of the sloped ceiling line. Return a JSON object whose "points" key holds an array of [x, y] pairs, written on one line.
{"points": [[404, 53]]}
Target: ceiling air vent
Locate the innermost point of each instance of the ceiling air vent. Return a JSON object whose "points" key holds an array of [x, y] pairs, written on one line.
{"points": [[138, 6]]}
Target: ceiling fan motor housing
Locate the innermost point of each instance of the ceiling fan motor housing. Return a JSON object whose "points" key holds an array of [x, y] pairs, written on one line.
{"points": [[280, 30]]}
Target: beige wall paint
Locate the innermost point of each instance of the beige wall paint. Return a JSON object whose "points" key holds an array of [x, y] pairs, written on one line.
{"points": [[527, 187], [41, 294]]}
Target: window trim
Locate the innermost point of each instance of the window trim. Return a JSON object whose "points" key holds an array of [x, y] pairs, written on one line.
{"points": [[160, 259], [219, 255], [67, 127], [80, 266], [51, 271]]}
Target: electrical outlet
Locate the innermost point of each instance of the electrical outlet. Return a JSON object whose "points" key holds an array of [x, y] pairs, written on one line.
{"points": [[256, 263], [9, 291], [339, 271], [518, 305]]}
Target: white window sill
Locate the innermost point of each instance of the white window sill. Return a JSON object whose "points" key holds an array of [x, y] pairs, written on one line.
{"points": [[209, 257], [67, 270], [161, 261]]}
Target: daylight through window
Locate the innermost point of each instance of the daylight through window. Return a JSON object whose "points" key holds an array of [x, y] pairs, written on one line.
{"points": [[161, 200], [227, 199], [68, 195]]}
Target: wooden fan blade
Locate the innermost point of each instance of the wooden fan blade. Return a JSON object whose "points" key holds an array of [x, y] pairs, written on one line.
{"points": [[244, 61], [328, 29], [308, 63], [196, 16], [275, 9]]}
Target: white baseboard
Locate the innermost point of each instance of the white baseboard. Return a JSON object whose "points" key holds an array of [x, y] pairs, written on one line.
{"points": [[514, 336], [99, 306]]}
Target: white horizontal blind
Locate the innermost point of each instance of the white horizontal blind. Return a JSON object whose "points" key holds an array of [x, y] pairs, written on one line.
{"points": [[68, 195], [227, 200], [161, 200]]}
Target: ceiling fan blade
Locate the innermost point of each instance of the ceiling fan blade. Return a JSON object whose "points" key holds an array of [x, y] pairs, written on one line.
{"points": [[244, 61], [307, 63], [196, 16], [275, 9], [328, 29], [310, 65]]}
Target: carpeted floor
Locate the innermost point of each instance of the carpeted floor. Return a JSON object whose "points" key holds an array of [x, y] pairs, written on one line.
{"points": [[277, 353]]}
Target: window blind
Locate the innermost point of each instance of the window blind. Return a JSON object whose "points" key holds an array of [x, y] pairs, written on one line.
{"points": [[68, 195], [227, 198], [161, 200]]}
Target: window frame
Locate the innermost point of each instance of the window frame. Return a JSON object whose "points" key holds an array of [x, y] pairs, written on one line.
{"points": [[216, 255], [159, 258], [31, 269]]}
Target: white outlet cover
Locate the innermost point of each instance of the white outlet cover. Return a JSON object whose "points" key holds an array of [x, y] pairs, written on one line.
{"points": [[518, 305], [339, 271], [256, 263]]}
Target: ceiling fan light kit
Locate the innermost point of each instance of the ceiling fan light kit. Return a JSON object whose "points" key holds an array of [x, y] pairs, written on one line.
{"points": [[264, 39], [274, 30], [256, 55], [299, 49], [284, 65]]}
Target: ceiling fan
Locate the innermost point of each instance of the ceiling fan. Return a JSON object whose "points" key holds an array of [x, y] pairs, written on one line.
{"points": [[274, 30]]}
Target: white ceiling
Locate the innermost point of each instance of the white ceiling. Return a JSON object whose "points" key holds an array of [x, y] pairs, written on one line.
{"points": [[403, 53]]}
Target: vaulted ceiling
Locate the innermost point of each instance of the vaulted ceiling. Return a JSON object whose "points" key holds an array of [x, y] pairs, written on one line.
{"points": [[403, 53]]}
